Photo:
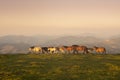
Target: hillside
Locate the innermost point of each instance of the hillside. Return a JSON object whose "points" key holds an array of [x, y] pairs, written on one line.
{"points": [[19, 44], [70, 40], [24, 39], [111, 44], [59, 67]]}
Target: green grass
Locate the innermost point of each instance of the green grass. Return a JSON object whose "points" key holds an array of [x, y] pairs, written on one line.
{"points": [[59, 67]]}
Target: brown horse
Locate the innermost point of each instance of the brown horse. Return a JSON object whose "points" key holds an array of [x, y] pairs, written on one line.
{"points": [[78, 48], [67, 49], [60, 49], [99, 50]]}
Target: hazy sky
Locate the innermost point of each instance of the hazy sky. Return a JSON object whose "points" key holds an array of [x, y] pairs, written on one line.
{"points": [[55, 17]]}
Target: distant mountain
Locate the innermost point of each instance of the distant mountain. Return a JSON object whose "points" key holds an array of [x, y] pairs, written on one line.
{"points": [[14, 48], [25, 39], [112, 45], [20, 44], [70, 40]]}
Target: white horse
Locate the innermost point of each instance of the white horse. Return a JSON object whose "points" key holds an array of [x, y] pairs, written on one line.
{"points": [[52, 50], [34, 49]]}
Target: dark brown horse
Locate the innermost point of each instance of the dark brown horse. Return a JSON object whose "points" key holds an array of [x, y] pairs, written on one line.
{"points": [[78, 48]]}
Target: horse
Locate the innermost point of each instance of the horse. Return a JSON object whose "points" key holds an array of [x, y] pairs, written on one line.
{"points": [[99, 50], [90, 50], [44, 49], [67, 49], [61, 50], [52, 50], [78, 48], [35, 49]]}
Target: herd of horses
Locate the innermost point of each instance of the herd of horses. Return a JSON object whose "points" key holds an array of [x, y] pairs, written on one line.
{"points": [[74, 49]]}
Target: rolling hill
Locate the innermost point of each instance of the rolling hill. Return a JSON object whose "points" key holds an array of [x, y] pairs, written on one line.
{"points": [[20, 44]]}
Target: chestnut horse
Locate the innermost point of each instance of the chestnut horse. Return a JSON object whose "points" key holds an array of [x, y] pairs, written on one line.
{"points": [[78, 48], [66, 49], [99, 50]]}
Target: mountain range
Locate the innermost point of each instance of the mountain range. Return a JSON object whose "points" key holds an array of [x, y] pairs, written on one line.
{"points": [[20, 44]]}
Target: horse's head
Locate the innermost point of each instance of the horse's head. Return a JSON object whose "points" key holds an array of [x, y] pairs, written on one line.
{"points": [[90, 49]]}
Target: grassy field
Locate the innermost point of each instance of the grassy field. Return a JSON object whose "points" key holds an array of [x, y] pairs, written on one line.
{"points": [[59, 67]]}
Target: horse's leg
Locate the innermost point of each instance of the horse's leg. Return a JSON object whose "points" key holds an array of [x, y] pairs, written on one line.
{"points": [[73, 52], [83, 52], [104, 52], [77, 52], [29, 52]]}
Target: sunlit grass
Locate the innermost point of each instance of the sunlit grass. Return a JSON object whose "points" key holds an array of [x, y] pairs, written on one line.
{"points": [[59, 67]]}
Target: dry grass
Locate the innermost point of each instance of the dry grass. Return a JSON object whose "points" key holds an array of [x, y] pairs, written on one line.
{"points": [[59, 67]]}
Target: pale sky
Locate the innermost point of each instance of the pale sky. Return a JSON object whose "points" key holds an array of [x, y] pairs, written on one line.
{"points": [[55, 17]]}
